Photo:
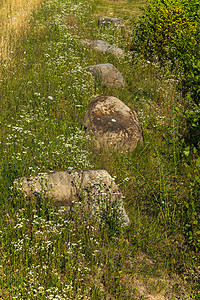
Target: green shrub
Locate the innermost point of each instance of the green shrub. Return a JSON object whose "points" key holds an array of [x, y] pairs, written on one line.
{"points": [[170, 30]]}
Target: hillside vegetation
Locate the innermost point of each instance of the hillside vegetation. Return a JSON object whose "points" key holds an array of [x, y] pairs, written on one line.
{"points": [[48, 252]]}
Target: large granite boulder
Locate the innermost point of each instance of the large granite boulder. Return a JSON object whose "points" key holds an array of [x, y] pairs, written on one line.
{"points": [[103, 46], [108, 75], [95, 188], [108, 21], [112, 123]]}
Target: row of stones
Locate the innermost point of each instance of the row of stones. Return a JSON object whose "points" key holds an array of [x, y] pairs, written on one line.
{"points": [[111, 123], [108, 119]]}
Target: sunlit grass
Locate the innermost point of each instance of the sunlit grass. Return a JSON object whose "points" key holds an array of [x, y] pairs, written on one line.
{"points": [[126, 9], [14, 16], [48, 252]]}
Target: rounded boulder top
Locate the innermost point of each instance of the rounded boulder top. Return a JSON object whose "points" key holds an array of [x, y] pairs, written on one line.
{"points": [[108, 75], [113, 123]]}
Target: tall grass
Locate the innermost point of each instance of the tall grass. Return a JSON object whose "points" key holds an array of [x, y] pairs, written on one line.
{"points": [[14, 16], [48, 252]]}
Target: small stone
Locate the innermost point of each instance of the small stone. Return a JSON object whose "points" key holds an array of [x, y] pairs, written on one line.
{"points": [[108, 21], [108, 75], [103, 46], [99, 45]]}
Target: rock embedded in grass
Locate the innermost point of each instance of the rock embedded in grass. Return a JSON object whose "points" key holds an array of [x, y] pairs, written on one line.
{"points": [[108, 21], [99, 45], [112, 123], [103, 46], [118, 52], [108, 75], [95, 188]]}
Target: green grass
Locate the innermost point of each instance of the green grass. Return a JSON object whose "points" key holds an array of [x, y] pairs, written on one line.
{"points": [[47, 252], [126, 9]]}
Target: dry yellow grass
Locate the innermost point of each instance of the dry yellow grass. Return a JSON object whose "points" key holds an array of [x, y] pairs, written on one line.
{"points": [[14, 16]]}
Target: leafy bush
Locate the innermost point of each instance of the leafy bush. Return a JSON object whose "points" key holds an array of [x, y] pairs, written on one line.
{"points": [[170, 30]]}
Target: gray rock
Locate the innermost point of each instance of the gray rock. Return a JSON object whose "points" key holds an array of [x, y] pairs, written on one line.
{"points": [[107, 74], [95, 188], [112, 123], [116, 51], [99, 45], [108, 21], [103, 46]]}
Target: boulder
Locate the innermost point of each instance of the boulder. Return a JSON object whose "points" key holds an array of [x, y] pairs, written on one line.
{"points": [[103, 46], [112, 123], [96, 188], [108, 21], [107, 74]]}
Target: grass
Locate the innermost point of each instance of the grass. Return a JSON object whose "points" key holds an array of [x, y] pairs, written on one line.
{"points": [[48, 252], [128, 10], [14, 17]]}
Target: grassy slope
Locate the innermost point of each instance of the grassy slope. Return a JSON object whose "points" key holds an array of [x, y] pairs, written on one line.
{"points": [[45, 91]]}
